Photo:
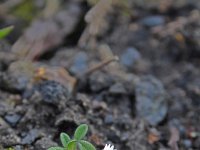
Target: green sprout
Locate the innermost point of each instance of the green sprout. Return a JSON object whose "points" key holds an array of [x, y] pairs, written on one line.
{"points": [[76, 142], [5, 31]]}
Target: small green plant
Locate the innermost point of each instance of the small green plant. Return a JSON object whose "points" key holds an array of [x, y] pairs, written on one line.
{"points": [[5, 31], [77, 143]]}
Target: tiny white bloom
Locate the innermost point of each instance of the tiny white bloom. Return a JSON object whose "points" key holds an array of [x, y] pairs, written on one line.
{"points": [[109, 147]]}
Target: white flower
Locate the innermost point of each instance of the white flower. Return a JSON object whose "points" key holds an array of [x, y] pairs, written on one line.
{"points": [[109, 147]]}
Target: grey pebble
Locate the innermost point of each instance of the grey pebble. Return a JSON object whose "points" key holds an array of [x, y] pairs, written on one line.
{"points": [[151, 21], [130, 57], [151, 102]]}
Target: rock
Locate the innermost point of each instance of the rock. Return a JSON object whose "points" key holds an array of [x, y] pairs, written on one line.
{"points": [[52, 92], [44, 144], [18, 147], [8, 136], [70, 119], [18, 76], [12, 119], [3, 127], [80, 63], [152, 21], [187, 143], [57, 74], [108, 119], [151, 103], [31, 136], [99, 81], [9, 140], [117, 88], [125, 136], [130, 57]]}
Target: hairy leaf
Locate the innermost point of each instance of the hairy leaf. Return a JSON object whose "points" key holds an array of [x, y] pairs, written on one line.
{"points": [[86, 145], [81, 132], [80, 146], [71, 145], [64, 138], [56, 148]]}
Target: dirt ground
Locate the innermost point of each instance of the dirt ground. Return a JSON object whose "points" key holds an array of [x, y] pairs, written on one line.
{"points": [[129, 69]]}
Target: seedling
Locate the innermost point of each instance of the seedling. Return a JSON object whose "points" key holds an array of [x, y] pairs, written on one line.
{"points": [[5, 31], [77, 143]]}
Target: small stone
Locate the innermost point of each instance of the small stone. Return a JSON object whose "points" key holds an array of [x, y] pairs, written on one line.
{"points": [[10, 139], [12, 119], [18, 76], [44, 144], [151, 101], [18, 147], [99, 81], [31, 136], [117, 88], [187, 143], [8, 136], [108, 119], [151, 21], [125, 136], [79, 63], [52, 92], [130, 57]]}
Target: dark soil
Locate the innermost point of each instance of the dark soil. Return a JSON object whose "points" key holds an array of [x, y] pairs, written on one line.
{"points": [[55, 75]]}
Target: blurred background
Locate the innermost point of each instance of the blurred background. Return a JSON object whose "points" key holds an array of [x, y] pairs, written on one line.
{"points": [[127, 68]]}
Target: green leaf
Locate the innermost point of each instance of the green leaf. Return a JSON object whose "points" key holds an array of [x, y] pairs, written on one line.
{"points": [[55, 148], [81, 132], [87, 145], [80, 146], [5, 31], [71, 145], [64, 138]]}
